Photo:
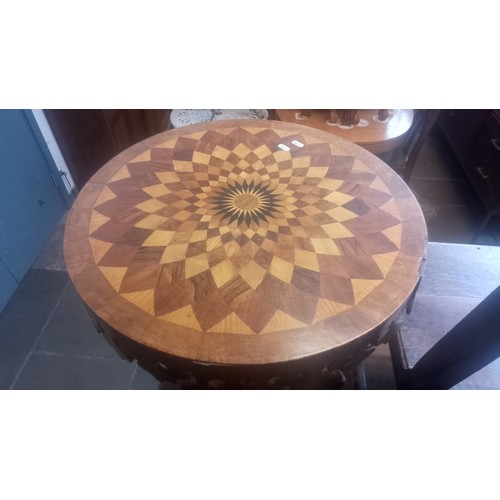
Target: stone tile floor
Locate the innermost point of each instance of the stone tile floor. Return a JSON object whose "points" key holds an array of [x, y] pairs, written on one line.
{"points": [[47, 341]]}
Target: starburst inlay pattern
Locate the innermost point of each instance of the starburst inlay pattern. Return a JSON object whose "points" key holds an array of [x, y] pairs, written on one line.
{"points": [[246, 202], [213, 243], [222, 231]]}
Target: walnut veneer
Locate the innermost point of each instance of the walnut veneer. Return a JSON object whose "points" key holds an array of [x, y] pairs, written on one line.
{"points": [[245, 253]]}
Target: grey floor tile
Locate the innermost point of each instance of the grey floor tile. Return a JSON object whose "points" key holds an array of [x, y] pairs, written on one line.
{"points": [[9, 368], [437, 161], [472, 272], [143, 380], [488, 378], [453, 224], [49, 371], [29, 309], [443, 192], [70, 330], [51, 257]]}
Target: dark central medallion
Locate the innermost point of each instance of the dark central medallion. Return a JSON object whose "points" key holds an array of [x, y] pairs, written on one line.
{"points": [[246, 202]]}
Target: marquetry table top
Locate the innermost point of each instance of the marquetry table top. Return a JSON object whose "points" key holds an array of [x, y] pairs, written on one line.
{"points": [[245, 241], [374, 135]]}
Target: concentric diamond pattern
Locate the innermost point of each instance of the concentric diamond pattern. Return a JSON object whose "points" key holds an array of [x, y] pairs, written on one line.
{"points": [[210, 227]]}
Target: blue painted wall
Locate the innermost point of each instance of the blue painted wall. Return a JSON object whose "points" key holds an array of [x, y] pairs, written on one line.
{"points": [[31, 202]]}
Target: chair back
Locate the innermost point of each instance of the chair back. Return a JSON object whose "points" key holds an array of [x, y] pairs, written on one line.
{"points": [[469, 346]]}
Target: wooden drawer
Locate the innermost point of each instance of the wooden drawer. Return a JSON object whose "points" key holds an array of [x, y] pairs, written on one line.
{"points": [[460, 127]]}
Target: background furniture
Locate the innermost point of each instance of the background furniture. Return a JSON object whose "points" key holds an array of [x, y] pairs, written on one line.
{"points": [[88, 138], [183, 117], [429, 350], [245, 253], [377, 137], [474, 137]]}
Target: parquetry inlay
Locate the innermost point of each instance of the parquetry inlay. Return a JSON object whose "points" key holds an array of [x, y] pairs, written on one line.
{"points": [[207, 228]]}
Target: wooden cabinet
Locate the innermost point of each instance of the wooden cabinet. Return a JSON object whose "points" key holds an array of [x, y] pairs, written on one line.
{"points": [[484, 162], [474, 136], [460, 126], [88, 138]]}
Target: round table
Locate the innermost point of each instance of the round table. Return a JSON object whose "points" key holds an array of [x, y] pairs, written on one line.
{"points": [[377, 136], [245, 253]]}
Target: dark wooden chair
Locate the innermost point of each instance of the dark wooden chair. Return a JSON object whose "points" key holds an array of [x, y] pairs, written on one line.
{"points": [[451, 338], [467, 348], [404, 159]]}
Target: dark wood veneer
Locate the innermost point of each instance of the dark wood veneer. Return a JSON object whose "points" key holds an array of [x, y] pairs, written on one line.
{"points": [[202, 294]]}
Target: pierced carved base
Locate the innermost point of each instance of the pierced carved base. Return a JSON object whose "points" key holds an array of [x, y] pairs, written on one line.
{"points": [[323, 371]]}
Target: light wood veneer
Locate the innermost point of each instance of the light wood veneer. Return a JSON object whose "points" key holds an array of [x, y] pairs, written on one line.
{"points": [[267, 253]]}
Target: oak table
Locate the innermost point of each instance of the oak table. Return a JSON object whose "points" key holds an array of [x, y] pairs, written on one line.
{"points": [[245, 253], [377, 136]]}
